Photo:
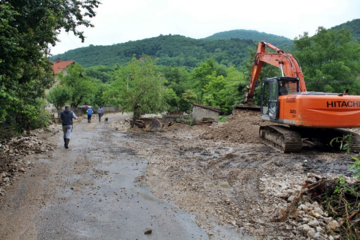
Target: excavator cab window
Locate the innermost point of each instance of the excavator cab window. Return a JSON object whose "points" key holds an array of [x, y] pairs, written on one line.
{"points": [[269, 103]]}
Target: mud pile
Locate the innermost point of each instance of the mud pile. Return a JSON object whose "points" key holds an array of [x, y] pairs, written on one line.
{"points": [[241, 127]]}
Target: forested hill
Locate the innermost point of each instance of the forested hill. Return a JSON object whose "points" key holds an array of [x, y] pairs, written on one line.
{"points": [[353, 25], [170, 50], [278, 41]]}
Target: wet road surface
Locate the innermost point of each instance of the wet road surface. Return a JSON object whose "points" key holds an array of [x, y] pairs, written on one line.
{"points": [[93, 190]]}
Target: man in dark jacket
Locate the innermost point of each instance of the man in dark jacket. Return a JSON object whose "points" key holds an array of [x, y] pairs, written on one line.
{"points": [[67, 124]]}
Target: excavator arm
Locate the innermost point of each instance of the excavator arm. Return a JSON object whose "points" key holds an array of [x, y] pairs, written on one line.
{"points": [[285, 61]]}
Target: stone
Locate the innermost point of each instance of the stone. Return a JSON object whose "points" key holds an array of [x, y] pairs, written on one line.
{"points": [[318, 210], [318, 235], [304, 228], [311, 233], [291, 198], [314, 223], [148, 231], [333, 225]]}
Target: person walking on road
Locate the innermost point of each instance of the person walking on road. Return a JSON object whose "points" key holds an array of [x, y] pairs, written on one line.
{"points": [[89, 113], [100, 111], [67, 124]]}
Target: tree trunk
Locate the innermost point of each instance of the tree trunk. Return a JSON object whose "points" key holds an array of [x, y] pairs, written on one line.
{"points": [[136, 114]]}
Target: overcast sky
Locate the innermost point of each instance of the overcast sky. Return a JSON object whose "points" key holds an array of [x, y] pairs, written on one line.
{"points": [[120, 21]]}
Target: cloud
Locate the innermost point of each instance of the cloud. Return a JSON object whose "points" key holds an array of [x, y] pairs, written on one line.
{"points": [[122, 21]]}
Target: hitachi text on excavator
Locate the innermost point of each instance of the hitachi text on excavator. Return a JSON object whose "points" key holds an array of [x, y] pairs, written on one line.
{"points": [[299, 114]]}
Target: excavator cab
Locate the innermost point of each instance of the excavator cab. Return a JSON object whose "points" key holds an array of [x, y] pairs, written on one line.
{"points": [[272, 89]]}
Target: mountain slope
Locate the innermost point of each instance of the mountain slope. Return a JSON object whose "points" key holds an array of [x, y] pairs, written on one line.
{"points": [[170, 50], [353, 25], [278, 41]]}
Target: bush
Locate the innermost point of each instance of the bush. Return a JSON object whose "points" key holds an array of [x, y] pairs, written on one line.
{"points": [[222, 119]]}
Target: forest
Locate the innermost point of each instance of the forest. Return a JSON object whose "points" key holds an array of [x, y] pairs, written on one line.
{"points": [[164, 73], [170, 50]]}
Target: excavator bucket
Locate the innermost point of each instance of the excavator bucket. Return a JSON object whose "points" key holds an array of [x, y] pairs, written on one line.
{"points": [[155, 125], [247, 106]]}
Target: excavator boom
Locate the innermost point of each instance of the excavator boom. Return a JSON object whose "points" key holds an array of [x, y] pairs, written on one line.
{"points": [[285, 61]]}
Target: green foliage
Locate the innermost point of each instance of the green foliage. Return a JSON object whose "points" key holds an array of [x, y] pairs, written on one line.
{"points": [[58, 96], [141, 90], [171, 99], [344, 142], [42, 118], [281, 42], [102, 73], [81, 88], [332, 55], [356, 167], [171, 50], [187, 99], [27, 28], [353, 26], [222, 119], [343, 203]]}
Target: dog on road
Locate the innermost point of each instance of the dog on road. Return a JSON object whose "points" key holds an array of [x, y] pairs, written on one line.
{"points": [[106, 120]]}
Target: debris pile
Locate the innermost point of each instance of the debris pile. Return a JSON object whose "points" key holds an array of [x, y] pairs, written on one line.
{"points": [[294, 203], [155, 125], [241, 127], [13, 151], [121, 126]]}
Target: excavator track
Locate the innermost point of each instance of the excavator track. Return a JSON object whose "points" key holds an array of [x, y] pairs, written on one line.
{"points": [[281, 138]]}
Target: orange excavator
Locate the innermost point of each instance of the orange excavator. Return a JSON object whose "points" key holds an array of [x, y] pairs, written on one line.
{"points": [[300, 115]]}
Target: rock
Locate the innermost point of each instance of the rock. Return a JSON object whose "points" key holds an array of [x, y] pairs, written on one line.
{"points": [[148, 231], [318, 211], [304, 207], [304, 228], [333, 225], [315, 214], [314, 223], [291, 198], [318, 236], [311, 233], [327, 219]]}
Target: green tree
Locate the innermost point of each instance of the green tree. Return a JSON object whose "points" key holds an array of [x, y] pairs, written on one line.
{"points": [[100, 88], [142, 90], [203, 74], [332, 55], [27, 28], [58, 96], [187, 99], [81, 88], [171, 99], [222, 92]]}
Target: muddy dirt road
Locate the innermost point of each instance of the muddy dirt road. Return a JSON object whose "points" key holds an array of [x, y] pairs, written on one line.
{"points": [[93, 190], [199, 182]]}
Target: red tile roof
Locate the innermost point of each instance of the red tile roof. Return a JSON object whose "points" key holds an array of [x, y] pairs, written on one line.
{"points": [[60, 65]]}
